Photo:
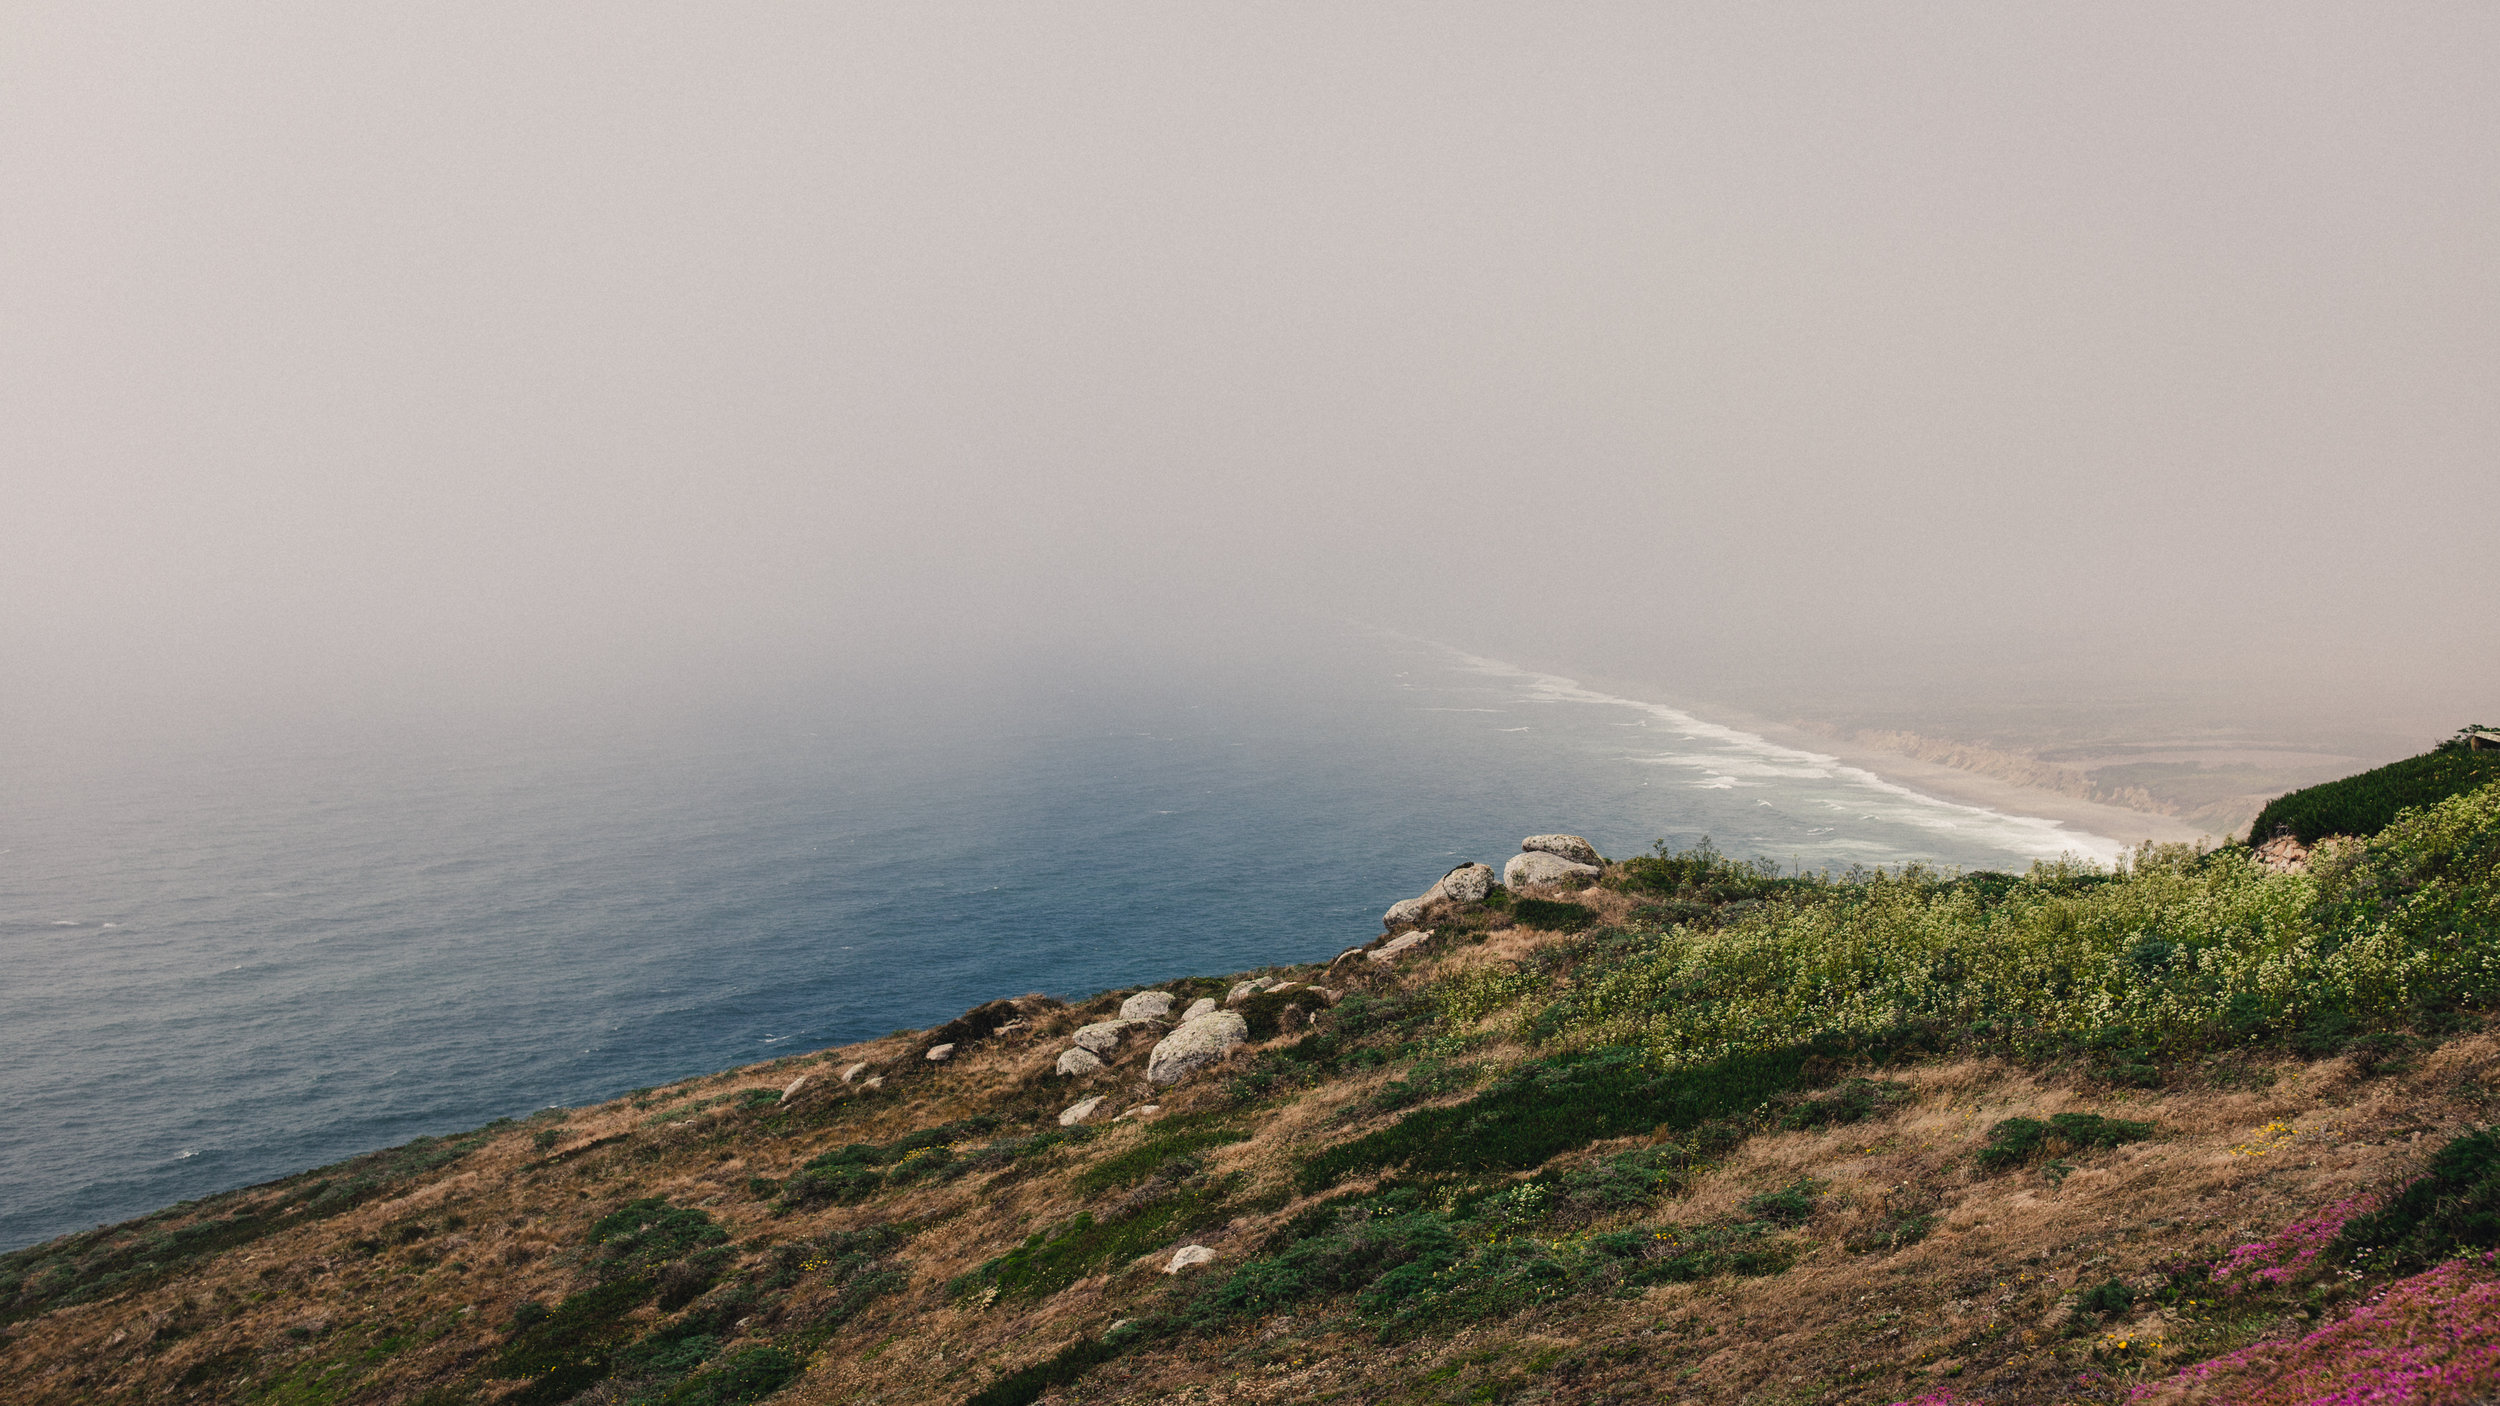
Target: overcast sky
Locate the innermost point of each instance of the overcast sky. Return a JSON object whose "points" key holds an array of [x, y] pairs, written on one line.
{"points": [[357, 353]]}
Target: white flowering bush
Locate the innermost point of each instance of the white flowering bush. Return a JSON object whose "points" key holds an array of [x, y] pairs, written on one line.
{"points": [[2177, 949]]}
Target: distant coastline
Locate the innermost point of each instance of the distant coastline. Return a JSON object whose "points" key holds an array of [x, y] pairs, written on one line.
{"points": [[2128, 825], [2098, 830]]}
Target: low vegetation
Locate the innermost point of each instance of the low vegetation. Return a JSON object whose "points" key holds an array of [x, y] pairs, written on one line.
{"points": [[1708, 1131], [2369, 802]]}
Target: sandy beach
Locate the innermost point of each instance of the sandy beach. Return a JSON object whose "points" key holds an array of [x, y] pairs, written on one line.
{"points": [[2126, 825]]}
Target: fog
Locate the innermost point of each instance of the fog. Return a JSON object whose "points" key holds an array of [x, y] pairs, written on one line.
{"points": [[460, 357]]}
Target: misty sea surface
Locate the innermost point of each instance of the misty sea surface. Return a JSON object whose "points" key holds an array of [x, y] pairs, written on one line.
{"points": [[228, 967]]}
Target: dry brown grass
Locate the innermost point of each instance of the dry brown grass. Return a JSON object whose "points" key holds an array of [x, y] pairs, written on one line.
{"points": [[1877, 1326]]}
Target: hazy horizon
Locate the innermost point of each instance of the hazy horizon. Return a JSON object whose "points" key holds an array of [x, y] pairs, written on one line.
{"points": [[2119, 364]]}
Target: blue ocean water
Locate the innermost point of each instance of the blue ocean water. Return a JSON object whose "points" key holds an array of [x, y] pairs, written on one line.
{"points": [[239, 964]]}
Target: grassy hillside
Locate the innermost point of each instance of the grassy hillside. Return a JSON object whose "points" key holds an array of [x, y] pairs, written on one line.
{"points": [[1703, 1132], [2361, 805]]}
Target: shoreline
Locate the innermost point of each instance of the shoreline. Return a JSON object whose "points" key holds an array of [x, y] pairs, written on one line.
{"points": [[2123, 826]]}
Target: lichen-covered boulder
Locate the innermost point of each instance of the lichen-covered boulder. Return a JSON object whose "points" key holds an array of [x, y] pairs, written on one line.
{"points": [[939, 1054], [1468, 883], [1244, 990], [1147, 1005], [1195, 1045], [1103, 1036], [854, 1072], [1080, 1110], [1399, 946], [1079, 1061], [1539, 867], [1571, 847], [1199, 1007]]}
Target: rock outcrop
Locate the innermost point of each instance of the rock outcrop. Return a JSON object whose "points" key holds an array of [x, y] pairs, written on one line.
{"points": [[1406, 912], [1079, 1061], [1147, 1005], [1199, 1007], [1468, 883], [1244, 990], [1399, 946], [1571, 847], [1186, 1256], [939, 1054], [1540, 867], [1195, 1045], [1080, 1110], [1104, 1036]]}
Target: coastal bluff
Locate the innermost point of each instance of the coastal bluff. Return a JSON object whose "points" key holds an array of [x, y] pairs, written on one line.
{"points": [[1675, 1127]]}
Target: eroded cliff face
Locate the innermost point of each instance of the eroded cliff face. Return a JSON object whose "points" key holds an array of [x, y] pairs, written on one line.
{"points": [[1400, 1186]]}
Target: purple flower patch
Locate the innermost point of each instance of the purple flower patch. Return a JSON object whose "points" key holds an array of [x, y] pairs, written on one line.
{"points": [[2424, 1341]]}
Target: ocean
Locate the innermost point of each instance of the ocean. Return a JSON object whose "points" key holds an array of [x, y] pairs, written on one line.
{"points": [[232, 964]]}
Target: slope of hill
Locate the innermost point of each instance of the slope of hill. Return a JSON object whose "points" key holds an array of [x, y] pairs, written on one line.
{"points": [[2360, 805], [1699, 1131]]}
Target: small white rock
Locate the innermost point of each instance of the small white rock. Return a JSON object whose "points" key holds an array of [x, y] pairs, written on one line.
{"points": [[873, 1081], [793, 1091], [1204, 1005], [1399, 946], [1103, 1036], [1141, 1112], [939, 1054], [853, 1072], [1079, 1111], [1147, 1005], [1079, 1061], [1186, 1256]]}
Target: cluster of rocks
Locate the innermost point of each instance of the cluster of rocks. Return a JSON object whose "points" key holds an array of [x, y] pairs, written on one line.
{"points": [[1553, 859], [1202, 1034], [1542, 859], [1468, 883]]}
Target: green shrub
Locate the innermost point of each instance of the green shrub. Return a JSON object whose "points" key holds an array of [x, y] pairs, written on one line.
{"points": [[2106, 1298], [565, 1350], [2369, 802], [2018, 1141], [1699, 874], [1790, 1205], [1021, 1388], [1264, 1011], [1173, 1139], [2178, 953], [738, 1379], [859, 1170], [2452, 1209], [1624, 1181], [1052, 1260], [1854, 1101], [640, 1236], [1552, 915], [1541, 1108]]}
